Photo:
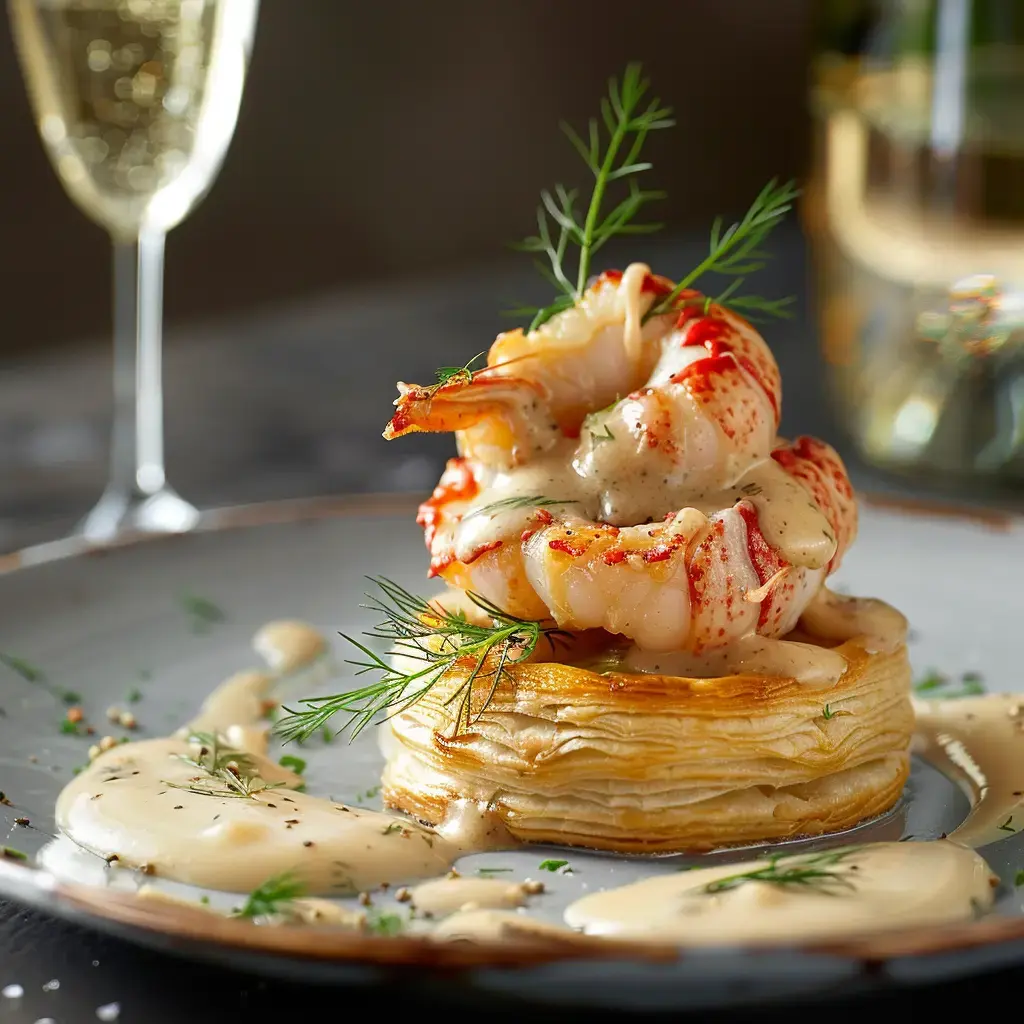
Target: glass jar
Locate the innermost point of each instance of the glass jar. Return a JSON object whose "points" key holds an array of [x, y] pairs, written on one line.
{"points": [[915, 215]]}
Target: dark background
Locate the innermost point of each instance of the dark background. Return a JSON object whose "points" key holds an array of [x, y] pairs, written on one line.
{"points": [[385, 140]]}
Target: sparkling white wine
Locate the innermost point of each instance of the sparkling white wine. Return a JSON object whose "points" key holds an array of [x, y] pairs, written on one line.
{"points": [[136, 100]]}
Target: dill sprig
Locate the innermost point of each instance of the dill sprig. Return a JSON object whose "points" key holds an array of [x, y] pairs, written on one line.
{"points": [[609, 160], [937, 685], [736, 252], [823, 872], [273, 897], [518, 501], [457, 374], [224, 771], [439, 640]]}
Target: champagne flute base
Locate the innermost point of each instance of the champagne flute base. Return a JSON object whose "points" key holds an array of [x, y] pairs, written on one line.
{"points": [[120, 512]]}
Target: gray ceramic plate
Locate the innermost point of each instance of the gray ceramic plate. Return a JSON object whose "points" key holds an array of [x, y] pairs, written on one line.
{"points": [[104, 623]]}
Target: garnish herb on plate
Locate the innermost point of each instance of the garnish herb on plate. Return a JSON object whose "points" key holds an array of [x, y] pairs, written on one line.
{"points": [[29, 672], [737, 252], [33, 674], [610, 160], [274, 896], [382, 923], [1007, 826], [437, 640], [940, 686], [224, 772], [611, 152], [457, 374], [828, 712], [553, 865], [493, 871], [12, 854], [517, 501], [823, 872], [295, 764], [202, 612], [1018, 879]]}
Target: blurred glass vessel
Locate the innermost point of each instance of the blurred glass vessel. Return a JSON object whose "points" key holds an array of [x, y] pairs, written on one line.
{"points": [[915, 211], [136, 102]]}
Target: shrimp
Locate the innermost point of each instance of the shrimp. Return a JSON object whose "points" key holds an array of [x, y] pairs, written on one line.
{"points": [[673, 516]]}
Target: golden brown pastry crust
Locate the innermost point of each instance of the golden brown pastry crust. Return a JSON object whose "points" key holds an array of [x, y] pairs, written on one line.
{"points": [[645, 763]]}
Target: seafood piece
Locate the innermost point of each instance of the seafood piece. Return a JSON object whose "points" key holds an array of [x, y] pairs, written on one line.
{"points": [[673, 516], [697, 579]]}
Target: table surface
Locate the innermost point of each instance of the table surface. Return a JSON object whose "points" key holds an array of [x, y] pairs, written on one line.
{"points": [[282, 403]]}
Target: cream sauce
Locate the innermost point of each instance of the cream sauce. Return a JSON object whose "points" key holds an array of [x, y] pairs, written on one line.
{"points": [[839, 618], [236, 709], [129, 804], [143, 806], [889, 885], [496, 926], [630, 293], [443, 896], [980, 742], [809, 664], [288, 645]]}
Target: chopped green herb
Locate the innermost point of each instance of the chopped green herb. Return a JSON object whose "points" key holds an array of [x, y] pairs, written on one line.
{"points": [[296, 764], [395, 826], [1018, 879], [205, 900], [552, 865], [71, 728], [78, 769], [202, 612], [12, 854], [492, 871], [518, 501], [226, 772], [828, 712], [134, 696], [936, 684], [274, 896], [1006, 825], [384, 924], [601, 438], [29, 672], [368, 795], [457, 374], [71, 697]]}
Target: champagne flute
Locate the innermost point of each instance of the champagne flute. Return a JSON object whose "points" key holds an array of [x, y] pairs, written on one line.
{"points": [[136, 102]]}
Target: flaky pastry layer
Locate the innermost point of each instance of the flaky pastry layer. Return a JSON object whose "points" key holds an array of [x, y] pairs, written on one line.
{"points": [[646, 763]]}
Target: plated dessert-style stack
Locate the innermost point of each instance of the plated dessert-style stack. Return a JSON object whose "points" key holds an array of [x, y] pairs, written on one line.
{"points": [[621, 480]]}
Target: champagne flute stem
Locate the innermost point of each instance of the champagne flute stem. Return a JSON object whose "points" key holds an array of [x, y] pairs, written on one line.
{"points": [[137, 448], [137, 497]]}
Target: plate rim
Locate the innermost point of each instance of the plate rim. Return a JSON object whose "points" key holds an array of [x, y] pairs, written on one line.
{"points": [[126, 912]]}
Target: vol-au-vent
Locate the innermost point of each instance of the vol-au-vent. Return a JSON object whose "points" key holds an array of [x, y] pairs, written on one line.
{"points": [[637, 650]]}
